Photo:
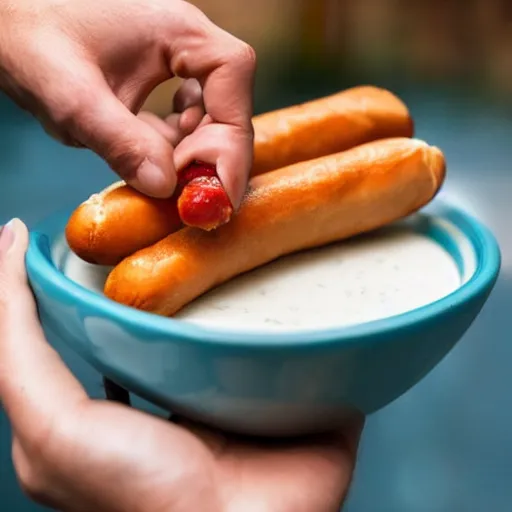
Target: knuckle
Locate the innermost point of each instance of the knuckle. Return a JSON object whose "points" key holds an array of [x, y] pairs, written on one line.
{"points": [[188, 9], [245, 56]]}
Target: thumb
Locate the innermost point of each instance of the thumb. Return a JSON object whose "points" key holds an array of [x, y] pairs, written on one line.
{"points": [[17, 306], [13, 278], [35, 385], [18, 312], [136, 151]]}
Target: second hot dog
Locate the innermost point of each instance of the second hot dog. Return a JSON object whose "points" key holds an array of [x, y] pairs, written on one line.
{"points": [[305, 205], [112, 225]]}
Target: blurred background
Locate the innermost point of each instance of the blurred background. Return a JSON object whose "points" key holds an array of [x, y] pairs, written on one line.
{"points": [[446, 445]]}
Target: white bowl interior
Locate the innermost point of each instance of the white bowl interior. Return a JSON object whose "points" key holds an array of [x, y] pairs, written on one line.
{"points": [[383, 274]]}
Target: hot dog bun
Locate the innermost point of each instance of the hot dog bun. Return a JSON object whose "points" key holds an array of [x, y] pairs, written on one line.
{"points": [[112, 225], [119, 221], [327, 125], [301, 206]]}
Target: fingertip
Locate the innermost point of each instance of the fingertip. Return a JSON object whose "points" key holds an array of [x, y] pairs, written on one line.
{"points": [[189, 94], [21, 235], [233, 182], [152, 180], [155, 174], [226, 148], [190, 119], [168, 130], [14, 239], [233, 169], [133, 146]]}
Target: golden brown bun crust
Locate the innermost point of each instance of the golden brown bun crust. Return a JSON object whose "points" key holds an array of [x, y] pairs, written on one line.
{"points": [[114, 224], [305, 205], [328, 125], [119, 221]]}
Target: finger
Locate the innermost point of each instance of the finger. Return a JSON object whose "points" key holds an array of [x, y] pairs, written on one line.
{"points": [[172, 128], [189, 94], [324, 464], [132, 148], [221, 144], [188, 101], [35, 385], [82, 106], [224, 67], [190, 119], [168, 129], [188, 112]]}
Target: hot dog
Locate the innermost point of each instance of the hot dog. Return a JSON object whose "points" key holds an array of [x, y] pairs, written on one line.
{"points": [[305, 205], [327, 125], [109, 227], [202, 201], [283, 137], [94, 230]]}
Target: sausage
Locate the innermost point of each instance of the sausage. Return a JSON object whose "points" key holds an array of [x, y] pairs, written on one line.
{"points": [[305, 205], [202, 201], [107, 227], [204, 204]]}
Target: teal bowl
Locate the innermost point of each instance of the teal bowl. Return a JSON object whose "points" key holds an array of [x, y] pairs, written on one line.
{"points": [[259, 382]]}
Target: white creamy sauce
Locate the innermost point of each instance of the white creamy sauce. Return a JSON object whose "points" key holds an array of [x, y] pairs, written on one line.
{"points": [[364, 279]]}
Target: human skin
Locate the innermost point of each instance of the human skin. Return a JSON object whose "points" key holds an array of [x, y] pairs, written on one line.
{"points": [[85, 67], [76, 454]]}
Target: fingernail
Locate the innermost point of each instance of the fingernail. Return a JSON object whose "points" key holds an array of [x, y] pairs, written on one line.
{"points": [[152, 180], [6, 237]]}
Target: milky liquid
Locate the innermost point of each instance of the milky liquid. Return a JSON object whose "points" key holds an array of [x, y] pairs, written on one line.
{"points": [[364, 279]]}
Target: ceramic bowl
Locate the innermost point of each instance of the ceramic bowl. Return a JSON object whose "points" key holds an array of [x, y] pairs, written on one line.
{"points": [[264, 382]]}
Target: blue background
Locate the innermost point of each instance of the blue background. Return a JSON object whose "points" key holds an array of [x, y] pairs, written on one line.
{"points": [[446, 445]]}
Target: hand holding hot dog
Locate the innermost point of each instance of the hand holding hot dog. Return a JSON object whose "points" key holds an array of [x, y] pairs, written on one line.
{"points": [[93, 64]]}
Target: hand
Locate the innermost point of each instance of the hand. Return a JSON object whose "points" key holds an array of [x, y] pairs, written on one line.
{"points": [[77, 454], [85, 67]]}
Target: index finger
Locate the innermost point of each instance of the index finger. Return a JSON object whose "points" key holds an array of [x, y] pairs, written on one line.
{"points": [[225, 68]]}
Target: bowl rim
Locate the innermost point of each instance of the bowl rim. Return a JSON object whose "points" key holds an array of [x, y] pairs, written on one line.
{"points": [[43, 271]]}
